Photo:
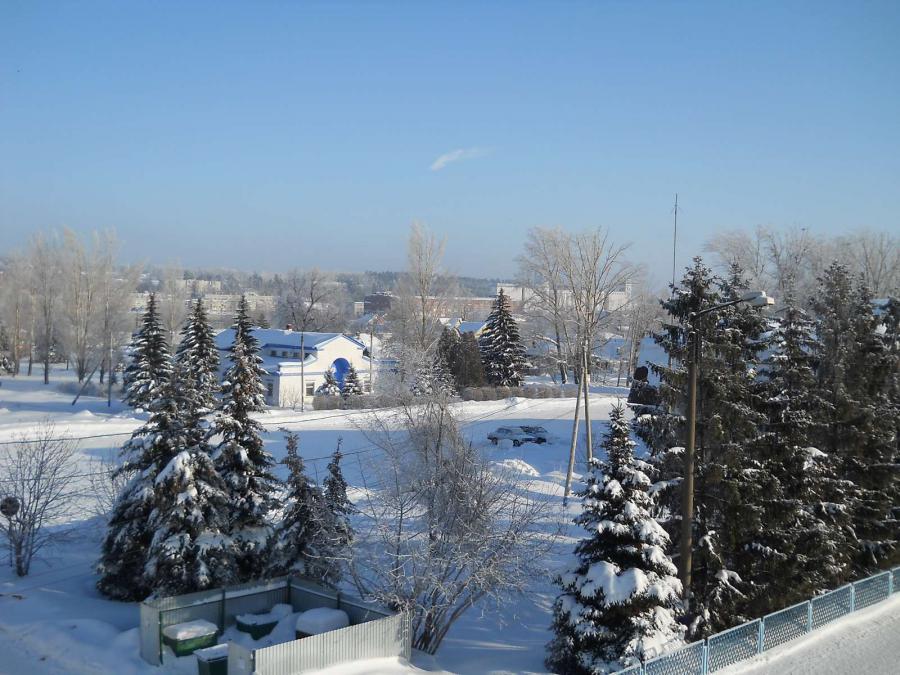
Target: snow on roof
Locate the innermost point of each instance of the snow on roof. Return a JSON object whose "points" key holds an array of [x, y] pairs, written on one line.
{"points": [[288, 339]]}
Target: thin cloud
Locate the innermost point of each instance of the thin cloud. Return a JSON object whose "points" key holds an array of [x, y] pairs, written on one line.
{"points": [[457, 156]]}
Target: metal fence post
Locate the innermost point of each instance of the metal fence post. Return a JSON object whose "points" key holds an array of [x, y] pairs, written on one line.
{"points": [[890, 582], [852, 598], [809, 616], [762, 635], [222, 611], [705, 665], [159, 635]]}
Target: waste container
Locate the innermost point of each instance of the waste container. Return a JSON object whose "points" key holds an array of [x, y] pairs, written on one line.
{"points": [[212, 660]]}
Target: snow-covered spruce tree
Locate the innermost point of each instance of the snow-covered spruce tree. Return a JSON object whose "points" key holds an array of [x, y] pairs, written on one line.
{"points": [[305, 535], [352, 386], [197, 368], [150, 363], [618, 604], [804, 542], [240, 456], [854, 370], [337, 502], [728, 483], [467, 369], [502, 352], [433, 378], [189, 550], [130, 531], [330, 387]]}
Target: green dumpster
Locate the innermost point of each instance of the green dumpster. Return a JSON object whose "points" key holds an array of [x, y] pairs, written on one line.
{"points": [[257, 625], [186, 638], [212, 660]]}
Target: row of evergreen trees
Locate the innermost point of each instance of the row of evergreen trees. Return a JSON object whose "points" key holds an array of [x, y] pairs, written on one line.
{"points": [[199, 508], [797, 488]]}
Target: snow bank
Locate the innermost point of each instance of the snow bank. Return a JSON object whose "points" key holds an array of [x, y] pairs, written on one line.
{"points": [[518, 466], [321, 620]]}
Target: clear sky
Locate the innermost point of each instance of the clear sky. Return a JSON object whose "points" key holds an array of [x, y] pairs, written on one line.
{"points": [[266, 135]]}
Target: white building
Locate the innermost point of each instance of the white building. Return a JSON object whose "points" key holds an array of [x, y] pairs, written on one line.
{"points": [[287, 379]]}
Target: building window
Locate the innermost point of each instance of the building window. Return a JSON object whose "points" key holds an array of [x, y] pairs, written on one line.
{"points": [[270, 389], [284, 355], [310, 388], [273, 353], [296, 355], [367, 387]]}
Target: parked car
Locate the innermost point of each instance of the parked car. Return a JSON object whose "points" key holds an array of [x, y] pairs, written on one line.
{"points": [[519, 435]]}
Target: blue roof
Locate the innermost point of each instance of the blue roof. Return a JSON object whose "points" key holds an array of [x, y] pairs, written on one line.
{"points": [[283, 339]]}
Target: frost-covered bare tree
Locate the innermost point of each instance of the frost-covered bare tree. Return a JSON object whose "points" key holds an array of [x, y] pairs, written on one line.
{"points": [[751, 250], [107, 479], [46, 291], [39, 471], [876, 256], [440, 530], [16, 307], [548, 302], [173, 299], [593, 267], [422, 291], [310, 300]]}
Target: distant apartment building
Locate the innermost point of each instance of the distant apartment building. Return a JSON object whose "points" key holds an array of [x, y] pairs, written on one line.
{"points": [[520, 296]]}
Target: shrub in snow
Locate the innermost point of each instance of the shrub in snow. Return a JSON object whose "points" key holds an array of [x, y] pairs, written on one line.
{"points": [[618, 604], [449, 531], [330, 387], [352, 386]]}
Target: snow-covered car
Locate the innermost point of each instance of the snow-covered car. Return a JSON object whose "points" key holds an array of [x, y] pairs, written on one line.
{"points": [[518, 435]]}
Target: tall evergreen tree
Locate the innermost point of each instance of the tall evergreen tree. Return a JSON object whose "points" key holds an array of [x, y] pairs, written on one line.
{"points": [[337, 502], [151, 362], [189, 550], [854, 368], [467, 369], [305, 536], [197, 368], [618, 604], [804, 540], [240, 457], [130, 530], [501, 347]]}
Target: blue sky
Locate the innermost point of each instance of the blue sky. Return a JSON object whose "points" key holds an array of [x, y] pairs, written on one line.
{"points": [[267, 135]]}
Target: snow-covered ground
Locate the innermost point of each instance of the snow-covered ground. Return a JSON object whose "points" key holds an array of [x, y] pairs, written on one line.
{"points": [[54, 620], [867, 641]]}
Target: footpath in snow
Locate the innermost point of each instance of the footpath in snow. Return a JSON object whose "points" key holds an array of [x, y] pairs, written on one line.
{"points": [[863, 642]]}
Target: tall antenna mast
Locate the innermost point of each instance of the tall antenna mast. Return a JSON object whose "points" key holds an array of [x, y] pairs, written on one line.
{"points": [[674, 241]]}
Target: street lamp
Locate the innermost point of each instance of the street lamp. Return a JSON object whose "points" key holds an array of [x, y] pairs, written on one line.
{"points": [[757, 299]]}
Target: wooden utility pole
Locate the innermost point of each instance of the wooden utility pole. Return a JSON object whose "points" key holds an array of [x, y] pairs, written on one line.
{"points": [[585, 375], [572, 447], [302, 371]]}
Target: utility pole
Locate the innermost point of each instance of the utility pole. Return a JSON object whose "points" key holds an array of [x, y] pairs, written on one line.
{"points": [[585, 375], [572, 446], [302, 371], [757, 299], [687, 484], [371, 352]]}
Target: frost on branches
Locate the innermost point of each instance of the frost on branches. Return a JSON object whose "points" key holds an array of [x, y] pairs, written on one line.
{"points": [[501, 348], [197, 366], [150, 360], [618, 604], [352, 386]]}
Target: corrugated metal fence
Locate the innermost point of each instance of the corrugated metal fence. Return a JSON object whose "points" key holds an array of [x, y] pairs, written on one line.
{"points": [[374, 632], [754, 637]]}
